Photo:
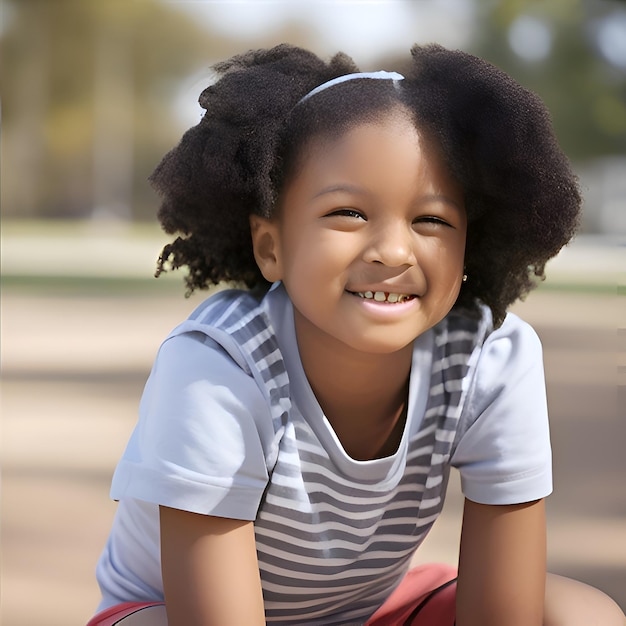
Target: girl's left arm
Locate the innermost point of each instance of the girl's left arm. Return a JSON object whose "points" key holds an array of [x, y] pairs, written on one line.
{"points": [[502, 565]]}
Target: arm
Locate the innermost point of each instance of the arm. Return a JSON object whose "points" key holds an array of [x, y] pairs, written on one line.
{"points": [[502, 565], [210, 570]]}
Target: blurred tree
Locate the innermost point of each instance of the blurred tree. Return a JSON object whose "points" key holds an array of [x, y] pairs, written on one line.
{"points": [[87, 102]]}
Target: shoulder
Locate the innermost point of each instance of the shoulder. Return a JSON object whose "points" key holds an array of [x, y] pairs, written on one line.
{"points": [[508, 351], [503, 443], [232, 318], [229, 340], [194, 378], [514, 341], [501, 360], [226, 310], [206, 351]]}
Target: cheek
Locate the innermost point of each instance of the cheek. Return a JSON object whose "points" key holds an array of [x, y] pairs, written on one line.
{"points": [[446, 255], [314, 252], [457, 251]]}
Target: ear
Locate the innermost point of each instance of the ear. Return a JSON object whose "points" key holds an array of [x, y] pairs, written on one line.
{"points": [[266, 247]]}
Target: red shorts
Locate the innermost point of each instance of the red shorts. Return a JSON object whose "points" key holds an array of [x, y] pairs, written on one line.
{"points": [[425, 597], [112, 615]]}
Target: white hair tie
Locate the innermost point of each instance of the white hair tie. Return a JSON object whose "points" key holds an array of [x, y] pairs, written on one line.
{"points": [[381, 75]]}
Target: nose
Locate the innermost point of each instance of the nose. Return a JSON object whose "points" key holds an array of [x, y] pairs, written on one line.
{"points": [[391, 244]]}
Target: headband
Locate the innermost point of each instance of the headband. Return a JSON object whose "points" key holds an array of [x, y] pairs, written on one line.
{"points": [[382, 75]]}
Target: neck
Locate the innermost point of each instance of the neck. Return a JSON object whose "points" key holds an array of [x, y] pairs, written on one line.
{"points": [[363, 396]]}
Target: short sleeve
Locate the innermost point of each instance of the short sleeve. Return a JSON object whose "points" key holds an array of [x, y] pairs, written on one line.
{"points": [[503, 453], [203, 434]]}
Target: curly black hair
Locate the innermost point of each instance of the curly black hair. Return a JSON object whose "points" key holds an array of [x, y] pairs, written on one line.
{"points": [[521, 196]]}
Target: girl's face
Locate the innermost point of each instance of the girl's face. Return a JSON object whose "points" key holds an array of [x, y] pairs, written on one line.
{"points": [[369, 239]]}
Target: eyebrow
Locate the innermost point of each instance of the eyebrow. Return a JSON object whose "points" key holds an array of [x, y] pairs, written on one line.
{"points": [[354, 189], [341, 188], [438, 197]]}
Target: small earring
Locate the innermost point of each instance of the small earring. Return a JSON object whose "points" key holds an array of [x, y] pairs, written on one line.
{"points": [[464, 279]]}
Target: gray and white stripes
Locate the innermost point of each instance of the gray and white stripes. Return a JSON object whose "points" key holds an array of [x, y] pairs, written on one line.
{"points": [[333, 546]]}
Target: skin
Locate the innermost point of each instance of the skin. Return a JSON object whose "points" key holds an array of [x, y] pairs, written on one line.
{"points": [[372, 210], [210, 570], [502, 565]]}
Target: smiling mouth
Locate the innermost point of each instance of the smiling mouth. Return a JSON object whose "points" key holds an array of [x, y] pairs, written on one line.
{"points": [[384, 296]]}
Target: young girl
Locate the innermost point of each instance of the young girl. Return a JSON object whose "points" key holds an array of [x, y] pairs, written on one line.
{"points": [[294, 441]]}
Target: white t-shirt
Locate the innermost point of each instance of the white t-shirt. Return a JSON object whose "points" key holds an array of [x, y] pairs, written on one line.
{"points": [[229, 426]]}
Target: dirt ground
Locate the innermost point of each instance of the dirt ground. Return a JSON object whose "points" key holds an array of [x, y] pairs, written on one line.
{"points": [[73, 371]]}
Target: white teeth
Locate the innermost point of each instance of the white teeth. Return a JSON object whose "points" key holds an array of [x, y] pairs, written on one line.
{"points": [[381, 296]]}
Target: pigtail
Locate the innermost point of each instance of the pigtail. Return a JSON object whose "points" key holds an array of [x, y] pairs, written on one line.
{"points": [[220, 172]]}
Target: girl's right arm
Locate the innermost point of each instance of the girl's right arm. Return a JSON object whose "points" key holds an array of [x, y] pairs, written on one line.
{"points": [[210, 570]]}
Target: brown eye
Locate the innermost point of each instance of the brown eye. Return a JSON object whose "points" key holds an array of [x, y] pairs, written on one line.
{"points": [[432, 219], [349, 213]]}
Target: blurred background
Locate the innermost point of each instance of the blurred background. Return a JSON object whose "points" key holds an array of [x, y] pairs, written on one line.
{"points": [[94, 92]]}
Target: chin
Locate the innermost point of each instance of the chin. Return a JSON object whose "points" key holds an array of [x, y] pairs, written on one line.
{"points": [[381, 346]]}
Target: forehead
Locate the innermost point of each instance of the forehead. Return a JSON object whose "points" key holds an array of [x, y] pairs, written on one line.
{"points": [[387, 160], [362, 141], [338, 137]]}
